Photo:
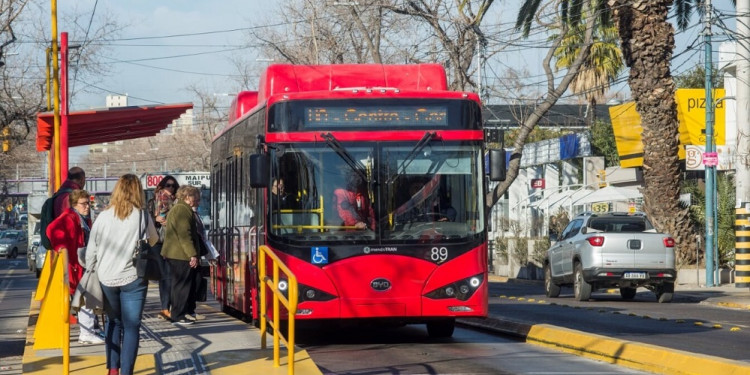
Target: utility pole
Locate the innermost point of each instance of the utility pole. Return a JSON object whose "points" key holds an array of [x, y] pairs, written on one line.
{"points": [[710, 169], [742, 153]]}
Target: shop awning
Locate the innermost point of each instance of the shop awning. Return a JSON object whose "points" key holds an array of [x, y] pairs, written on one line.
{"points": [[109, 124]]}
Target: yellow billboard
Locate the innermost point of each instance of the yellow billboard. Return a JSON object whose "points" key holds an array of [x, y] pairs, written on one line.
{"points": [[691, 113]]}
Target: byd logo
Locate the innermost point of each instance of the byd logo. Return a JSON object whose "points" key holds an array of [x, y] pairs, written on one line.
{"points": [[381, 285]]}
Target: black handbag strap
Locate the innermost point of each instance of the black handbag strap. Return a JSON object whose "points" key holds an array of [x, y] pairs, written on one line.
{"points": [[143, 224]]}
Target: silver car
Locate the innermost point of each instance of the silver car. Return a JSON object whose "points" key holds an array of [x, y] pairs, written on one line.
{"points": [[38, 254], [13, 242]]}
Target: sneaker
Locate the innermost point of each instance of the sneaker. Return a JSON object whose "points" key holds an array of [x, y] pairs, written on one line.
{"points": [[90, 340], [195, 316], [164, 315], [184, 322]]}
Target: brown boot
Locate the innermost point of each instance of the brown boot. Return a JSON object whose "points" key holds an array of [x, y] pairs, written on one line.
{"points": [[164, 314]]}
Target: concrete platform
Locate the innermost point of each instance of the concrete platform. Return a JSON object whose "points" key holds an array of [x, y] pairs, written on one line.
{"points": [[218, 345]]}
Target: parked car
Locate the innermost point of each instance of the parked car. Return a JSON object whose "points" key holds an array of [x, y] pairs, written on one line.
{"points": [[13, 242], [614, 250], [40, 253], [31, 255]]}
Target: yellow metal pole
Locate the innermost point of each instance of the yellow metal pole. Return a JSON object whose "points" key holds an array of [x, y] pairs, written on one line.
{"points": [[56, 93], [49, 78]]}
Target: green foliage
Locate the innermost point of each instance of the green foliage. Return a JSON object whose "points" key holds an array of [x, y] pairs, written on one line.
{"points": [[559, 221], [603, 143], [696, 78], [540, 250], [725, 193]]}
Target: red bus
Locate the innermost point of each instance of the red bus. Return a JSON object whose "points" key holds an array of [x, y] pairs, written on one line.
{"points": [[416, 148]]}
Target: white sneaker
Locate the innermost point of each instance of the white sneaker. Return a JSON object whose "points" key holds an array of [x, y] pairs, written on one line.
{"points": [[90, 340]]}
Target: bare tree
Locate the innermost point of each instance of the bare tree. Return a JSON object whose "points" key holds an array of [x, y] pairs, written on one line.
{"points": [[555, 89], [23, 85]]}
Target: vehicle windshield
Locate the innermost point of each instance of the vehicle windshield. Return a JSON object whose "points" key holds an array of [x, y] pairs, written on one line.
{"points": [[9, 235], [382, 192]]}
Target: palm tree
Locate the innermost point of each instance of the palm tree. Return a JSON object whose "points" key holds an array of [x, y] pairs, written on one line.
{"points": [[647, 43], [600, 69]]}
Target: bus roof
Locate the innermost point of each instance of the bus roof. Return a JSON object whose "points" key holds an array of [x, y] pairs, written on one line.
{"points": [[288, 78]]}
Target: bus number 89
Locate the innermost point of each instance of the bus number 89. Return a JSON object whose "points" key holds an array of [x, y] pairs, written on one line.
{"points": [[439, 255]]}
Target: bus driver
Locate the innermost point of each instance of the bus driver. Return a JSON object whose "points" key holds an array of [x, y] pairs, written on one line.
{"points": [[353, 205]]}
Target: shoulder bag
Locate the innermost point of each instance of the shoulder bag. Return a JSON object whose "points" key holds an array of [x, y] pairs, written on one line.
{"points": [[88, 292], [144, 257]]}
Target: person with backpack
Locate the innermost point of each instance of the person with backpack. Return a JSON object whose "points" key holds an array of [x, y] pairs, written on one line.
{"points": [[76, 180], [71, 231], [58, 203], [159, 205]]}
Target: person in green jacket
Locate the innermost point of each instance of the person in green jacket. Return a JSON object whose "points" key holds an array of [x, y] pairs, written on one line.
{"points": [[182, 250]]}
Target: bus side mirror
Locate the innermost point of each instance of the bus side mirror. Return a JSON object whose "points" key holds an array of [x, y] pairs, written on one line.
{"points": [[259, 171], [497, 165]]}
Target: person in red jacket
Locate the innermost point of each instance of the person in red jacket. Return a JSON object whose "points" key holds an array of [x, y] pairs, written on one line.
{"points": [[353, 205], [71, 231]]}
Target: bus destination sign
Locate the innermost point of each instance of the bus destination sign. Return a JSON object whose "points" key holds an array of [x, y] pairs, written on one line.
{"points": [[407, 116]]}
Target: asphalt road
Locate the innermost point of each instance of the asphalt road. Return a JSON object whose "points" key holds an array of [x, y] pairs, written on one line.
{"points": [[408, 350], [684, 324], [16, 285]]}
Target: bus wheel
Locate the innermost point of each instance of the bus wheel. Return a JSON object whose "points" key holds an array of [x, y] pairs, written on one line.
{"points": [[441, 328]]}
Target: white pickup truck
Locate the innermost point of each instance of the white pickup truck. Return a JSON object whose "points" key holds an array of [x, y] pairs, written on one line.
{"points": [[613, 250]]}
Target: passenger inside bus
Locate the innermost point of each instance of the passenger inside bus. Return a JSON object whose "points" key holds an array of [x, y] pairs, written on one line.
{"points": [[353, 205], [279, 198]]}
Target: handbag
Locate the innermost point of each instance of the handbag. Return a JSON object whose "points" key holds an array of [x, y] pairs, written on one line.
{"points": [[144, 257], [88, 293]]}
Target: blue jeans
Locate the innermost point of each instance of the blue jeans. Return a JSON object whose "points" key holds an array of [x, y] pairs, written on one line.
{"points": [[124, 308]]}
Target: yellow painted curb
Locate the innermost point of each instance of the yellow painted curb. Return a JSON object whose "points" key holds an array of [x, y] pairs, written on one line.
{"points": [[52, 363], [631, 354]]}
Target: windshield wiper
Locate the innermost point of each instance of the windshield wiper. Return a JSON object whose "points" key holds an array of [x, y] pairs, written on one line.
{"points": [[353, 163], [413, 154]]}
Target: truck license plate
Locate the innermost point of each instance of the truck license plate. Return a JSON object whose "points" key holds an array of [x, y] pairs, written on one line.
{"points": [[634, 275]]}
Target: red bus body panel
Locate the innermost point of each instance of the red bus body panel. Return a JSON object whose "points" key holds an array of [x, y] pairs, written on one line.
{"points": [[411, 278]]}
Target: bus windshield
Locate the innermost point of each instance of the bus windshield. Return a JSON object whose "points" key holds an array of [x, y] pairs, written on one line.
{"points": [[376, 192]]}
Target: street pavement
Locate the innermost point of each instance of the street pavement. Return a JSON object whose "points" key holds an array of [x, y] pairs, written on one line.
{"points": [[221, 344], [635, 353]]}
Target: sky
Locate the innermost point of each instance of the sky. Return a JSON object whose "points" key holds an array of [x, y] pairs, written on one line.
{"points": [[167, 45]]}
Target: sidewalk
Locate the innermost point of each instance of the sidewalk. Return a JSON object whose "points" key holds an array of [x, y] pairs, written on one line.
{"points": [[218, 345]]}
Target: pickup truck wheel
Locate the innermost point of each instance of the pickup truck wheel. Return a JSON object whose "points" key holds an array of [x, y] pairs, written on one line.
{"points": [[627, 293], [664, 292], [551, 289], [581, 288]]}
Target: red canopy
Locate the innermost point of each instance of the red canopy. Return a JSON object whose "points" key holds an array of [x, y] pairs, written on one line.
{"points": [[109, 124]]}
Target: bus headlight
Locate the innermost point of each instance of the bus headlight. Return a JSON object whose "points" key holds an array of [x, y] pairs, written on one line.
{"points": [[308, 293], [283, 286], [461, 289]]}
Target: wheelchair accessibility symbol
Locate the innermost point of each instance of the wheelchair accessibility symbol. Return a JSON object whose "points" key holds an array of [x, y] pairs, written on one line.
{"points": [[319, 255]]}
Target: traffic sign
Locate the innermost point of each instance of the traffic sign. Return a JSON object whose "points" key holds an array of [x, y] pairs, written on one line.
{"points": [[710, 159]]}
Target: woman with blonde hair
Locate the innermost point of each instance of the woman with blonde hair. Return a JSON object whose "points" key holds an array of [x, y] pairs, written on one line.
{"points": [[112, 242]]}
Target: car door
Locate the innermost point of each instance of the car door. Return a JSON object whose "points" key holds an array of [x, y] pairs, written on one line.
{"points": [[23, 245], [556, 252], [569, 245]]}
